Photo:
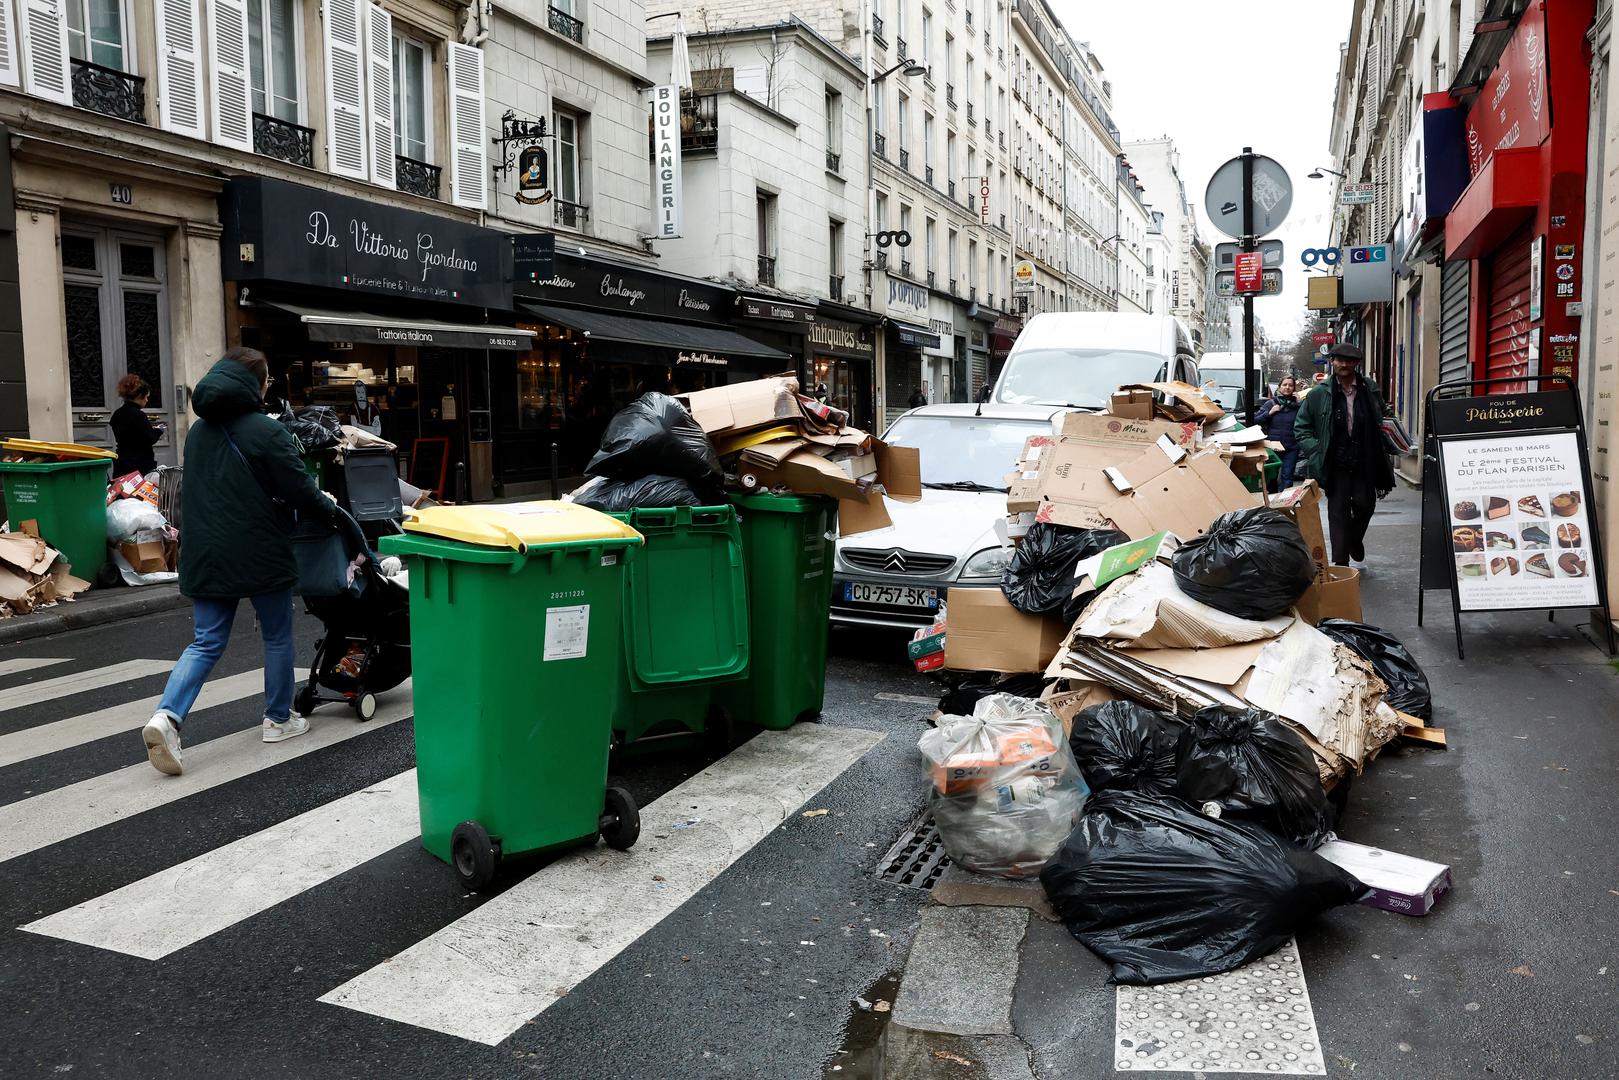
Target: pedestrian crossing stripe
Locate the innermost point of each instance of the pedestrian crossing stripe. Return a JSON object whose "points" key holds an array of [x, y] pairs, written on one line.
{"points": [[66, 812], [19, 664], [80, 682]]}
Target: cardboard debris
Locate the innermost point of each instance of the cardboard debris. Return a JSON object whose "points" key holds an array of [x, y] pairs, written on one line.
{"points": [[1417, 731], [1190, 402], [1067, 698], [744, 406], [1399, 883], [1149, 610], [32, 576], [986, 633], [1302, 503], [1335, 595]]}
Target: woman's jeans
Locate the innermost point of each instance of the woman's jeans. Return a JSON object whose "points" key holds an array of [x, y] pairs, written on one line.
{"points": [[213, 619], [1284, 476]]}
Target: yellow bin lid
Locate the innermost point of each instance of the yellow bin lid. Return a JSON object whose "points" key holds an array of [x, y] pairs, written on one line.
{"points": [[518, 526], [66, 450]]}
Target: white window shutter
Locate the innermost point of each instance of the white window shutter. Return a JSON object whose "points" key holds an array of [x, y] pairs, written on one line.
{"points": [[469, 165], [10, 68], [233, 77], [379, 87], [345, 96], [179, 67], [44, 36]]}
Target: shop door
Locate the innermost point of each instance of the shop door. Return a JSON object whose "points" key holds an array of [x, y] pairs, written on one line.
{"points": [[116, 300], [1453, 292], [1506, 345]]}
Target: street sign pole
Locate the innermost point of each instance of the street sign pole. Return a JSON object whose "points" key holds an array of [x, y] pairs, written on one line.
{"points": [[1248, 244]]}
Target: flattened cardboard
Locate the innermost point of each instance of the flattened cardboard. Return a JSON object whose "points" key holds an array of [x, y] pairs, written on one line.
{"points": [[1224, 666], [1183, 499], [1113, 431], [1335, 597], [985, 633], [899, 470], [862, 515], [741, 406]]}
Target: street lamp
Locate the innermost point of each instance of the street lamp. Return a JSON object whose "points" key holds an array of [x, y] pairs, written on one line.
{"points": [[911, 68], [1315, 174]]}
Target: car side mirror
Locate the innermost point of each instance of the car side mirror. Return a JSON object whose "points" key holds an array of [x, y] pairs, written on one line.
{"points": [[984, 393]]}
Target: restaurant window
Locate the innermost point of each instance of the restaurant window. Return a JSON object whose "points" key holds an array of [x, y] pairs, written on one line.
{"points": [[273, 52]]}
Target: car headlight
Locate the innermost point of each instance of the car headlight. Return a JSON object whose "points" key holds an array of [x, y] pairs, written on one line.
{"points": [[986, 565]]}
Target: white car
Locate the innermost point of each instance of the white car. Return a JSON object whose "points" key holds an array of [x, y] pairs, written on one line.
{"points": [[898, 576]]}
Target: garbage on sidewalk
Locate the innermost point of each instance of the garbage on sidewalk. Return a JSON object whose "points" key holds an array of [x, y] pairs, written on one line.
{"points": [[32, 575], [142, 544], [1399, 883]]}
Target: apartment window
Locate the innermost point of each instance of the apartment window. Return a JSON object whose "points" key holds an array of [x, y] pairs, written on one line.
{"points": [[879, 124], [929, 247], [413, 90], [972, 171], [882, 212], [972, 264], [927, 37], [834, 249], [905, 227], [950, 256], [904, 123], [274, 46], [764, 204], [967, 13], [949, 61], [95, 31], [566, 181], [899, 17], [834, 129], [987, 86], [927, 140], [967, 85]]}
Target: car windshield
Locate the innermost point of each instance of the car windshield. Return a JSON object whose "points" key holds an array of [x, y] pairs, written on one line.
{"points": [[1084, 378], [972, 453], [1224, 385]]}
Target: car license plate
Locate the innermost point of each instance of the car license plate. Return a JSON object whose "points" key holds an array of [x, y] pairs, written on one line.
{"points": [[859, 592]]}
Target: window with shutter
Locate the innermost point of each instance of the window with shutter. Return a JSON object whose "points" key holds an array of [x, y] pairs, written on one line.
{"points": [[179, 67], [345, 99], [45, 46], [469, 170], [379, 87], [232, 74], [10, 69]]}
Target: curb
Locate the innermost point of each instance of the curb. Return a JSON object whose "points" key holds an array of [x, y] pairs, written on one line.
{"points": [[79, 615]]}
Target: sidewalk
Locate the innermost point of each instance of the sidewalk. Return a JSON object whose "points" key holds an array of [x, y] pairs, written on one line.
{"points": [[1520, 806], [94, 608]]}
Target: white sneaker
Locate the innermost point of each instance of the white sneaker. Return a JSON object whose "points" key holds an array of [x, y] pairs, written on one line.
{"points": [[274, 732], [162, 744]]}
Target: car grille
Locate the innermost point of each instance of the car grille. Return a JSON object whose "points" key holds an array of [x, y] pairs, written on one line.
{"points": [[897, 561]]}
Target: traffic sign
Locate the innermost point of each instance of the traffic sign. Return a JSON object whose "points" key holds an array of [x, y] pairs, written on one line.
{"points": [[1326, 337], [1225, 284], [1272, 196], [1249, 273], [1225, 255]]}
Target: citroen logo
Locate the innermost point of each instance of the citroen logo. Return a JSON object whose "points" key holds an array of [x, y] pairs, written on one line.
{"points": [[895, 562]]}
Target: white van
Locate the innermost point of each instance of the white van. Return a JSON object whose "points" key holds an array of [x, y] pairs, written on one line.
{"points": [[1078, 358], [1222, 378]]}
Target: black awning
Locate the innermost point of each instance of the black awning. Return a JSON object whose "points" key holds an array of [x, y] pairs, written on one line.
{"points": [[682, 337], [324, 325], [918, 337]]}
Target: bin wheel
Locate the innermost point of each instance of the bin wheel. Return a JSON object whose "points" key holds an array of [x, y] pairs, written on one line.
{"points": [[473, 855], [620, 821], [304, 703], [365, 706]]}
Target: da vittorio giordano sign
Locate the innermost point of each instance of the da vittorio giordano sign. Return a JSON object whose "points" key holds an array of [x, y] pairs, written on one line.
{"points": [[666, 161]]}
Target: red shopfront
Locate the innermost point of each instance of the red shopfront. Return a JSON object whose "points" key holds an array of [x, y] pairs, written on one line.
{"points": [[1522, 216]]}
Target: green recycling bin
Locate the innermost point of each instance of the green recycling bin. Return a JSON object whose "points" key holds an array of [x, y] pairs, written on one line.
{"points": [[517, 654], [685, 618], [787, 541], [1266, 480], [68, 500]]}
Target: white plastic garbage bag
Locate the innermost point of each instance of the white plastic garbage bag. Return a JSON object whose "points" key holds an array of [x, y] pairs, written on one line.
{"points": [[1006, 789], [127, 517]]}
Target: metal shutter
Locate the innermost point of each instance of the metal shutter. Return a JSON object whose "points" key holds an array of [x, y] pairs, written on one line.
{"points": [[1454, 279], [1506, 347]]}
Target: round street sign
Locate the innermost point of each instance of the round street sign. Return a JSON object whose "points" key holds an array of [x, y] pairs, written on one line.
{"points": [[1273, 197]]}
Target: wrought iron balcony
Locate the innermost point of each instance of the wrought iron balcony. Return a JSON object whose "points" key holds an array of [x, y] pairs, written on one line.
{"points": [[834, 162], [1002, 139], [834, 287], [950, 188], [952, 286], [416, 177], [1000, 56], [927, 175], [1003, 221], [880, 142], [971, 119], [767, 270], [571, 215], [567, 25], [699, 122], [284, 140], [972, 201], [972, 293], [109, 91], [905, 269], [905, 159], [903, 55], [882, 260], [950, 95], [877, 29], [990, 300], [931, 279]]}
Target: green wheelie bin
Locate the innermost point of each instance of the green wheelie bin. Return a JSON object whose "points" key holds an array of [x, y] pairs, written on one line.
{"points": [[685, 620], [517, 654], [787, 543], [68, 500]]}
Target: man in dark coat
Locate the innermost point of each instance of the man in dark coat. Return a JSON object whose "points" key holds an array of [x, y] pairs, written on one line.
{"points": [[1340, 435], [243, 482]]}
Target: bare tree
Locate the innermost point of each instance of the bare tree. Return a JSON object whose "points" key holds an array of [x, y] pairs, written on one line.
{"points": [[713, 52], [775, 82]]}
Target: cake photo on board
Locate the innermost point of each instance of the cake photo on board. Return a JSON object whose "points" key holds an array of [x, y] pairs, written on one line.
{"points": [[1571, 564], [1537, 565], [1466, 510], [1498, 508], [1465, 538], [1470, 566], [1535, 536], [1530, 504], [1568, 535], [1567, 504], [1500, 541]]}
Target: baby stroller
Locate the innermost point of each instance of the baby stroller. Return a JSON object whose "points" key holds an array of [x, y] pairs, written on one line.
{"points": [[365, 647]]}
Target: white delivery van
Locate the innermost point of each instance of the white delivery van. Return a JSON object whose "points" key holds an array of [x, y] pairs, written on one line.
{"points": [[1078, 358], [1222, 378]]}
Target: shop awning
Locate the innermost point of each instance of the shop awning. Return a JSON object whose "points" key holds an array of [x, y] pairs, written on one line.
{"points": [[917, 337], [1505, 193], [682, 337], [323, 325]]}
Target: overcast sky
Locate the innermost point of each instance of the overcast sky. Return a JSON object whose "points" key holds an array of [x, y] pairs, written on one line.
{"points": [[1216, 77]]}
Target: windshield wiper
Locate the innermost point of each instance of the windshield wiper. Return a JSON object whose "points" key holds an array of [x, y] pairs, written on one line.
{"points": [[965, 485], [1064, 405]]}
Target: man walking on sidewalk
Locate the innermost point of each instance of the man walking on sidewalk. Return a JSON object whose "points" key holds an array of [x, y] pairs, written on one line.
{"points": [[1340, 437], [243, 480]]}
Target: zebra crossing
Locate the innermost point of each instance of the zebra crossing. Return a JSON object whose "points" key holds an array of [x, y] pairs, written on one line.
{"points": [[480, 976]]}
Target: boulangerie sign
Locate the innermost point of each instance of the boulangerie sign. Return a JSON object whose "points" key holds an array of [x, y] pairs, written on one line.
{"points": [[666, 160], [1513, 108]]}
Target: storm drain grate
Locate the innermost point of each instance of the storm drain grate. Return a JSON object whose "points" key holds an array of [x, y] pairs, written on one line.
{"points": [[917, 858]]}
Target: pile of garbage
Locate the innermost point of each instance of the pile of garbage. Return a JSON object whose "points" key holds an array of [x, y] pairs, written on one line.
{"points": [[760, 436], [32, 575], [142, 543], [1182, 642]]}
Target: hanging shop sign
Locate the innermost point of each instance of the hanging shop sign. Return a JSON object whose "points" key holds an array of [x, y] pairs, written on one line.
{"points": [[1512, 108], [1368, 274], [1023, 276], [278, 231], [850, 341], [533, 176], [666, 195]]}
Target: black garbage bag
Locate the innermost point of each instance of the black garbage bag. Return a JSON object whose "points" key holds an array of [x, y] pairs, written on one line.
{"points": [[1408, 686], [1040, 577], [1096, 541], [1121, 745], [655, 436], [1253, 765], [618, 496], [1164, 893], [316, 426], [964, 689], [1251, 563]]}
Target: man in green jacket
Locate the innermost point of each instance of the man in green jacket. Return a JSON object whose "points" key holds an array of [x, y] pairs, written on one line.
{"points": [[243, 482], [1340, 436]]}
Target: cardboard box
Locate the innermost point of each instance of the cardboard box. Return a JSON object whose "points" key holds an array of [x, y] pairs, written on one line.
{"points": [[1112, 432], [932, 662], [1302, 502], [741, 406], [1190, 402], [988, 634], [1337, 596], [1131, 404], [147, 558], [1182, 499], [1399, 883]]}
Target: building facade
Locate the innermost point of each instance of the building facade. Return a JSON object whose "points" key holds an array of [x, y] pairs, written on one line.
{"points": [[1157, 163], [1131, 247]]}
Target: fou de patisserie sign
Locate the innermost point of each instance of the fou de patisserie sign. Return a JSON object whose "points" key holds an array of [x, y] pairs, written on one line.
{"points": [[277, 231]]}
